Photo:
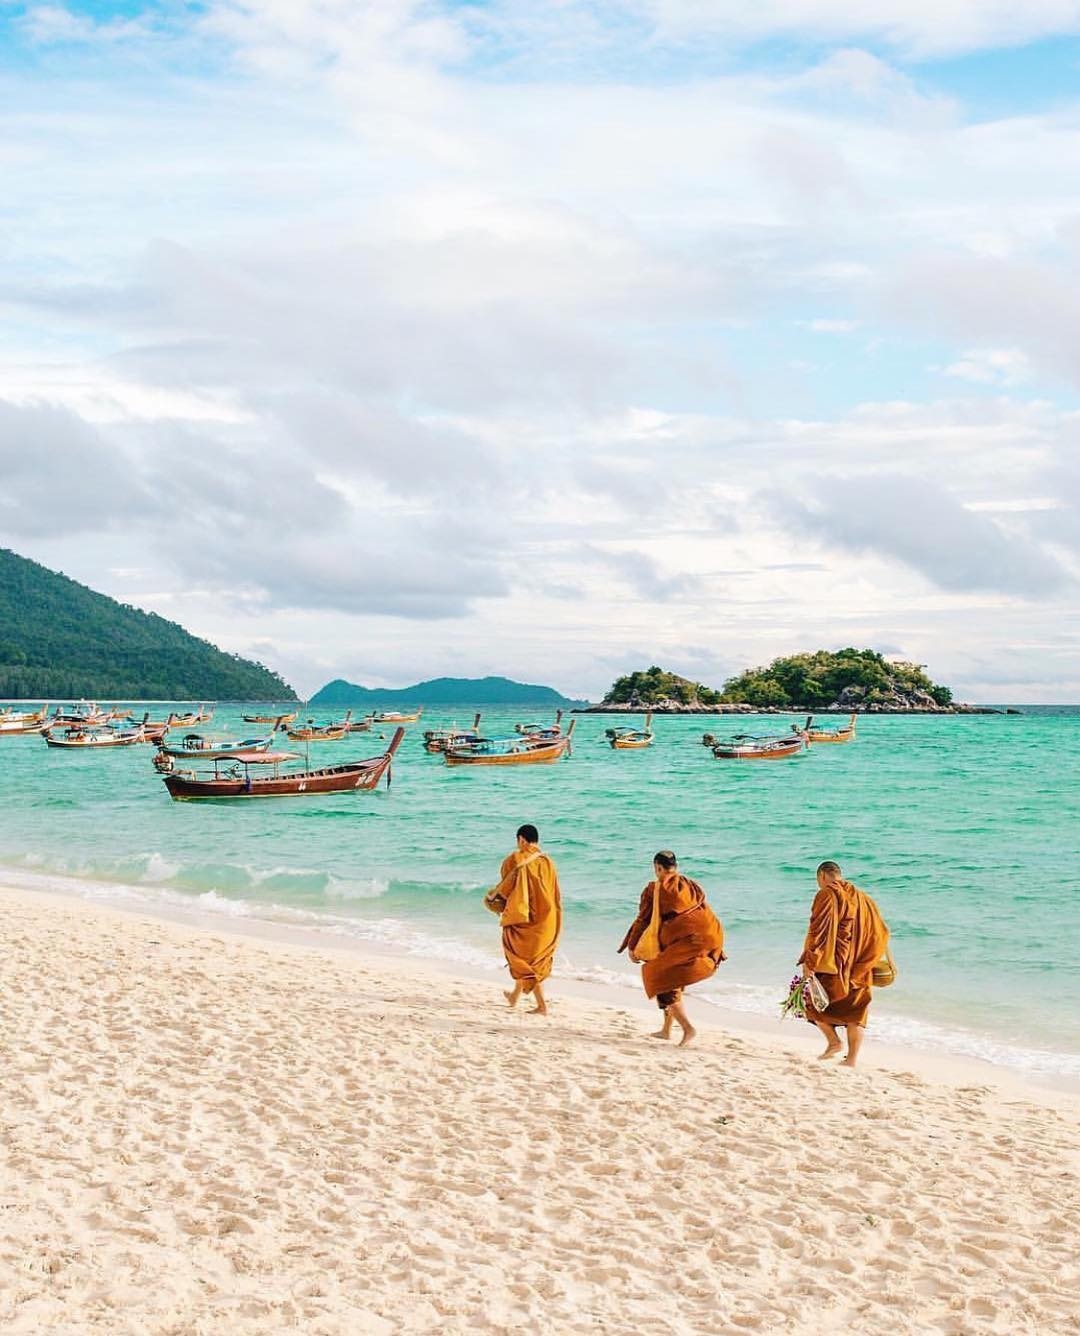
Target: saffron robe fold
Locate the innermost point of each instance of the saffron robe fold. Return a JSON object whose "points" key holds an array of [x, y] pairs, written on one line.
{"points": [[529, 947], [845, 940], [691, 937]]}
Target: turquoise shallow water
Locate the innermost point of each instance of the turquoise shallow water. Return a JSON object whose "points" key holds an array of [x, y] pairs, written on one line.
{"points": [[965, 829]]}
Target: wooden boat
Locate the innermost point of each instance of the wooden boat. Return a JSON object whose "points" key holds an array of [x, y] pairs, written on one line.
{"points": [[313, 732], [78, 737], [745, 747], [194, 717], [844, 733], [87, 714], [270, 718], [232, 776], [629, 739], [16, 722], [396, 717], [541, 730], [512, 751], [200, 747], [438, 739], [362, 725]]}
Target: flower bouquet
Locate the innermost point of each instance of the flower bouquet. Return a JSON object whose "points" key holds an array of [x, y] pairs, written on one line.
{"points": [[801, 994]]}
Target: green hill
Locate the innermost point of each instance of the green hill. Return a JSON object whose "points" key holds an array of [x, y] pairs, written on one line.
{"points": [[846, 678], [654, 686], [59, 639], [456, 692]]}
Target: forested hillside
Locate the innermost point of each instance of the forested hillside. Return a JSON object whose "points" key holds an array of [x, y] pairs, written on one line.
{"points": [[60, 639]]}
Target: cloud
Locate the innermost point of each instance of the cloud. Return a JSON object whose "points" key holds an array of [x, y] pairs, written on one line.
{"points": [[992, 366], [918, 523], [60, 475]]}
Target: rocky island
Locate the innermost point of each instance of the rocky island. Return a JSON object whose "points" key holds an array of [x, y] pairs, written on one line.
{"points": [[845, 681]]}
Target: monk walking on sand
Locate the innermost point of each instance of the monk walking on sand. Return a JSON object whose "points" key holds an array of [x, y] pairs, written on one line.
{"points": [[529, 906], [681, 941], [846, 939]]}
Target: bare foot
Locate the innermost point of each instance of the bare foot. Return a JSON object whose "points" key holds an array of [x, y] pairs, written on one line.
{"points": [[830, 1052], [511, 997], [688, 1037], [659, 1034], [848, 1062], [538, 1011]]}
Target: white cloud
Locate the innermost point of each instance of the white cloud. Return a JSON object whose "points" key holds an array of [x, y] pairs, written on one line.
{"points": [[992, 366]]}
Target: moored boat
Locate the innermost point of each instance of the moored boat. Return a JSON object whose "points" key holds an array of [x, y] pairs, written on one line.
{"points": [[15, 722], [520, 750], [232, 776], [629, 739], [270, 718], [438, 739], [546, 731], [78, 736], [396, 717], [313, 732], [194, 717], [200, 747], [843, 733], [745, 747]]}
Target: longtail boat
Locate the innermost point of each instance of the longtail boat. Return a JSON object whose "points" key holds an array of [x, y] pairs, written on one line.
{"points": [[87, 714], [269, 718], [193, 717], [397, 717], [628, 739], [313, 732], [843, 733], [541, 730], [746, 747], [15, 722], [362, 725], [438, 739], [232, 776], [77, 737], [199, 747], [520, 750]]}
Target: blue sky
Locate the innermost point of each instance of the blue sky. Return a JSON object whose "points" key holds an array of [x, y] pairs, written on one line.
{"points": [[406, 338]]}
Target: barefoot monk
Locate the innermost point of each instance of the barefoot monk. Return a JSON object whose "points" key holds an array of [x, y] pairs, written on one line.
{"points": [[529, 906], [846, 939], [677, 940]]}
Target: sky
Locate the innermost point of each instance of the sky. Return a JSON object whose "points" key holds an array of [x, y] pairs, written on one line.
{"points": [[552, 339]]}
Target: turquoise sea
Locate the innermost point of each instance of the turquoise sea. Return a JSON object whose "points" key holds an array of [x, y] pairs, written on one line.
{"points": [[966, 829]]}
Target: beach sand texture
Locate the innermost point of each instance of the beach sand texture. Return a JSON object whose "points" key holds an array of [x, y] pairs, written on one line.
{"points": [[205, 1134]]}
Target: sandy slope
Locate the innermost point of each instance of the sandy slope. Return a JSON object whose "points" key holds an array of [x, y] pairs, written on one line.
{"points": [[206, 1134]]}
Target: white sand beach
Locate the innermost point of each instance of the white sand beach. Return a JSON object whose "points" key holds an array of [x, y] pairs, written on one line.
{"points": [[208, 1133]]}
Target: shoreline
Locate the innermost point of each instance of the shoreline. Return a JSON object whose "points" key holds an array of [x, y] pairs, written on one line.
{"points": [[707, 1012], [207, 1132]]}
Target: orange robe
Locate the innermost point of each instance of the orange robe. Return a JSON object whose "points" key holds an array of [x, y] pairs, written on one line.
{"points": [[530, 947], [846, 939], [691, 937]]}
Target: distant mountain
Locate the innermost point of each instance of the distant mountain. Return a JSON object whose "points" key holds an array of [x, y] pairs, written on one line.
{"points": [[59, 640], [456, 692]]}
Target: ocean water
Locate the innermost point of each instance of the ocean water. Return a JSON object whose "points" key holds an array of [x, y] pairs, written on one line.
{"points": [[965, 829]]}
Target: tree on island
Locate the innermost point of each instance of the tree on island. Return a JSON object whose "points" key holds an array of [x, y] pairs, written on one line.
{"points": [[847, 677], [654, 686]]}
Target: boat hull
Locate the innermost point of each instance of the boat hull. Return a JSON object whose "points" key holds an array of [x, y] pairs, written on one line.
{"points": [[756, 754], [333, 779], [527, 756]]}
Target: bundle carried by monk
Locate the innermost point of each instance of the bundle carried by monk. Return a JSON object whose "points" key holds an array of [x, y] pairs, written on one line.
{"points": [[803, 993]]}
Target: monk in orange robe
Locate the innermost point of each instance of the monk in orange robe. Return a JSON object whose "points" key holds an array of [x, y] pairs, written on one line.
{"points": [[847, 937], [691, 940], [529, 905]]}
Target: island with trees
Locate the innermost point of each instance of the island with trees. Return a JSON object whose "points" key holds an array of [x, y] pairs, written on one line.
{"points": [[842, 681]]}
